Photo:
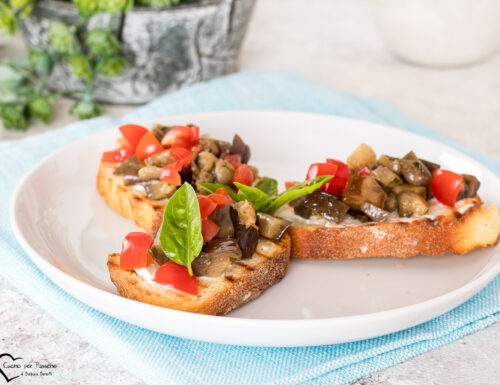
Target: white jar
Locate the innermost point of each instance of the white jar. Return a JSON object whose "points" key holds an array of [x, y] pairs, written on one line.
{"points": [[439, 33]]}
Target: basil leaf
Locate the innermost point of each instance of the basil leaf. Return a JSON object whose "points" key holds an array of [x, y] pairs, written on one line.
{"points": [[255, 196], [296, 192], [180, 234], [268, 185], [213, 187]]}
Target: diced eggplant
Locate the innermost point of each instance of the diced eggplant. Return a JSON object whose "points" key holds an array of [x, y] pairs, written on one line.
{"points": [[225, 148], [430, 165], [157, 189], [470, 185], [215, 257], [241, 148], [356, 214], [150, 172], [223, 172], [420, 190], [272, 227], [361, 189], [303, 211], [391, 203], [415, 172], [248, 238], [157, 251], [391, 163], [411, 156], [388, 178], [160, 159], [222, 217], [129, 166], [246, 213], [298, 201], [361, 156], [410, 203], [327, 205], [210, 145], [374, 213]]}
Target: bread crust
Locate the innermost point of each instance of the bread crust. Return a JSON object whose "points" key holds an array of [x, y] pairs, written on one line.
{"points": [[244, 281], [456, 233], [144, 212]]}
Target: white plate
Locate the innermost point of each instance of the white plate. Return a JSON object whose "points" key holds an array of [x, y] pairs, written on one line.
{"points": [[68, 231]]}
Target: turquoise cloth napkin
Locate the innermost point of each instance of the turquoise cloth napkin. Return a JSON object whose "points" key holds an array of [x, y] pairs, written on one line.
{"points": [[161, 359]]}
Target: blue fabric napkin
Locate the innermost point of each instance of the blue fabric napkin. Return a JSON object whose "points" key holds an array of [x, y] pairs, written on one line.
{"points": [[162, 359]]}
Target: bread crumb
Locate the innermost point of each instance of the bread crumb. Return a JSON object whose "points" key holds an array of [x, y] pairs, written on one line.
{"points": [[364, 249], [377, 233]]}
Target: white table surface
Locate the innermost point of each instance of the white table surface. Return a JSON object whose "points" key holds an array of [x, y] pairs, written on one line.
{"points": [[333, 42]]}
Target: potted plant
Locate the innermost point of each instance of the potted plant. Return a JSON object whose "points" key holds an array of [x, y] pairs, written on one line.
{"points": [[115, 51]]}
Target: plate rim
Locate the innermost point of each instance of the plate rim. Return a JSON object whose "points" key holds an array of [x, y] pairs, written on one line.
{"points": [[447, 300]]}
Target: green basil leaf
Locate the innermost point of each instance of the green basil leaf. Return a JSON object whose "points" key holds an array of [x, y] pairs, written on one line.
{"points": [[268, 185], [255, 196], [295, 192], [180, 234], [213, 187]]}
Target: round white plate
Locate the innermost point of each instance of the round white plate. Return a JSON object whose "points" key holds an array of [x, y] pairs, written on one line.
{"points": [[68, 230]]}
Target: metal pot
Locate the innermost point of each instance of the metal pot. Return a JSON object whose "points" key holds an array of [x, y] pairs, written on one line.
{"points": [[167, 48]]}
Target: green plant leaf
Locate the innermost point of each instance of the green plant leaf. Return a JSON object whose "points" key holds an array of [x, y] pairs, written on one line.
{"points": [[180, 234], [81, 67], [42, 107], [14, 116], [25, 5], [112, 66], [213, 187], [40, 59], [268, 185], [86, 108], [63, 38], [10, 78], [255, 196], [87, 8], [295, 192], [8, 22], [115, 6], [102, 41]]}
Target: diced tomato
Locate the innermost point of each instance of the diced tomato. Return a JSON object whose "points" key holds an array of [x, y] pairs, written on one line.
{"points": [[182, 136], [147, 147], [234, 159], [182, 154], [117, 156], [170, 173], [446, 186], [220, 199], [243, 175], [122, 142], [207, 205], [221, 191], [318, 169], [176, 276], [337, 185], [363, 170], [135, 251], [133, 133], [209, 230], [291, 184]]}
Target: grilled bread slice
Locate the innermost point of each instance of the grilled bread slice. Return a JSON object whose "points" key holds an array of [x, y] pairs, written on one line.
{"points": [[458, 230], [242, 282], [146, 213]]}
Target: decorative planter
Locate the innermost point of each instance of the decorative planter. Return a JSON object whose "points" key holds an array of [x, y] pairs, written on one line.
{"points": [[167, 48]]}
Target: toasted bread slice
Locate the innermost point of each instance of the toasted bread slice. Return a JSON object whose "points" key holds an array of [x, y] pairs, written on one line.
{"points": [[242, 282], [456, 232], [144, 212]]}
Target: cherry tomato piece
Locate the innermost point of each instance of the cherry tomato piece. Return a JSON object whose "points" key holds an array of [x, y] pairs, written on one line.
{"points": [[170, 173], [117, 156], [182, 154], [220, 199], [135, 251], [176, 276], [234, 159], [133, 133], [209, 230], [222, 191], [363, 170], [318, 169], [243, 174], [337, 185], [207, 205], [147, 147], [182, 136], [446, 186], [291, 184]]}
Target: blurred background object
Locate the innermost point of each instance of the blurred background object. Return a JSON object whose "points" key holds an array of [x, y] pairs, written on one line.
{"points": [[439, 33]]}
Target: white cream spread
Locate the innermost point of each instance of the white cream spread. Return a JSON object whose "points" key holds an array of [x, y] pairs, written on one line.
{"points": [[436, 209]]}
